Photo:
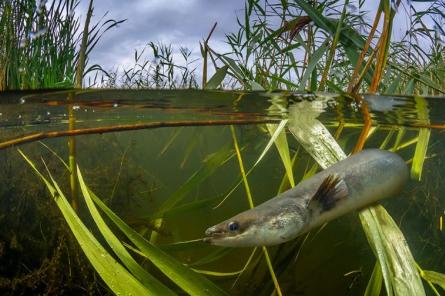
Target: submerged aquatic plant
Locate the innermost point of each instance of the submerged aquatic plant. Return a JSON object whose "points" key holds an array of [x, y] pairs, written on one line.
{"points": [[135, 280]]}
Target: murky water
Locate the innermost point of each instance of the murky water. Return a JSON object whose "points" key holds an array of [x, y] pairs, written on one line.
{"points": [[139, 149]]}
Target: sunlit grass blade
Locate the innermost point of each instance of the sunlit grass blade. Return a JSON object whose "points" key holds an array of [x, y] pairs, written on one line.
{"points": [[211, 164], [434, 278], [281, 146], [423, 140], [217, 78], [278, 135], [375, 282], [212, 256], [184, 277], [251, 205], [285, 181], [313, 62], [118, 248], [117, 278], [274, 135]]}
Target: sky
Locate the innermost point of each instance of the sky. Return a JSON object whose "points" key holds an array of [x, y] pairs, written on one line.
{"points": [[176, 22]]}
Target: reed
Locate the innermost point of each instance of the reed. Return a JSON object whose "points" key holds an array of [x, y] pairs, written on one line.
{"points": [[40, 44], [314, 38]]}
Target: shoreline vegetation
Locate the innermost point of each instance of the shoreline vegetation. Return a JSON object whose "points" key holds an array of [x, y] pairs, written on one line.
{"points": [[299, 45]]}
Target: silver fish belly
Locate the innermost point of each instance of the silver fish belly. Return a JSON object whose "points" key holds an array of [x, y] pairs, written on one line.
{"points": [[351, 184]]}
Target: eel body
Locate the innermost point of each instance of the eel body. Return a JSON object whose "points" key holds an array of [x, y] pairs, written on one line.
{"points": [[351, 184]]}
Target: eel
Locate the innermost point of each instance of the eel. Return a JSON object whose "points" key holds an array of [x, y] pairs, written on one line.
{"points": [[351, 184]]}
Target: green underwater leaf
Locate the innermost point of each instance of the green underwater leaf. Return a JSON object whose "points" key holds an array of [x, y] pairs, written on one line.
{"points": [[118, 248], [117, 278], [434, 277], [211, 164], [423, 140], [190, 281], [375, 282]]}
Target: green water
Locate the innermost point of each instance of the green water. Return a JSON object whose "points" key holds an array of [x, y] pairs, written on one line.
{"points": [[136, 171]]}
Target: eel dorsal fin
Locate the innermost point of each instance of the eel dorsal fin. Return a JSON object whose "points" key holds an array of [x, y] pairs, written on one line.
{"points": [[331, 190]]}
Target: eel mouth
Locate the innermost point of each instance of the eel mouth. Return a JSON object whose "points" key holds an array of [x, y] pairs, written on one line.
{"points": [[214, 233]]}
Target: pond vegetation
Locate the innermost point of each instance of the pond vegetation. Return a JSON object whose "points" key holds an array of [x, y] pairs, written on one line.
{"points": [[281, 47]]}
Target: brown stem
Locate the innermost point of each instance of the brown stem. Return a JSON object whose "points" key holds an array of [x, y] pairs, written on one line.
{"points": [[365, 49], [72, 155], [356, 87], [127, 127], [366, 127]]}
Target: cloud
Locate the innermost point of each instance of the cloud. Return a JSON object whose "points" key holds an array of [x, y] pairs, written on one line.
{"points": [[176, 22], [180, 23]]}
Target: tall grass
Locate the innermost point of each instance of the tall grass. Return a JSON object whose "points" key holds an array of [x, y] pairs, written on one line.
{"points": [[40, 41], [154, 67], [316, 45]]}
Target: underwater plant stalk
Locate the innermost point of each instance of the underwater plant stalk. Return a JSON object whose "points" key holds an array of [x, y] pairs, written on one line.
{"points": [[72, 155], [71, 118], [251, 205]]}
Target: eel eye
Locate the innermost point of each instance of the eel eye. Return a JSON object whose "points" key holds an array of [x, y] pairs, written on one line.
{"points": [[233, 226]]}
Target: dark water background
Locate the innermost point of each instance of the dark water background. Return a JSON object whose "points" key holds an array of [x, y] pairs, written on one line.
{"points": [[135, 171]]}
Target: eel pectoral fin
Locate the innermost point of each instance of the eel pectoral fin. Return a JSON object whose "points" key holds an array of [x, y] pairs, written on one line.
{"points": [[331, 190]]}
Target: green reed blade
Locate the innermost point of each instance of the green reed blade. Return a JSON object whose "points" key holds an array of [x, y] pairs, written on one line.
{"points": [[375, 282], [434, 277], [313, 62], [274, 131], [211, 164], [423, 140], [273, 139], [217, 78], [280, 141], [218, 273], [181, 275], [251, 205], [117, 278], [118, 248]]}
